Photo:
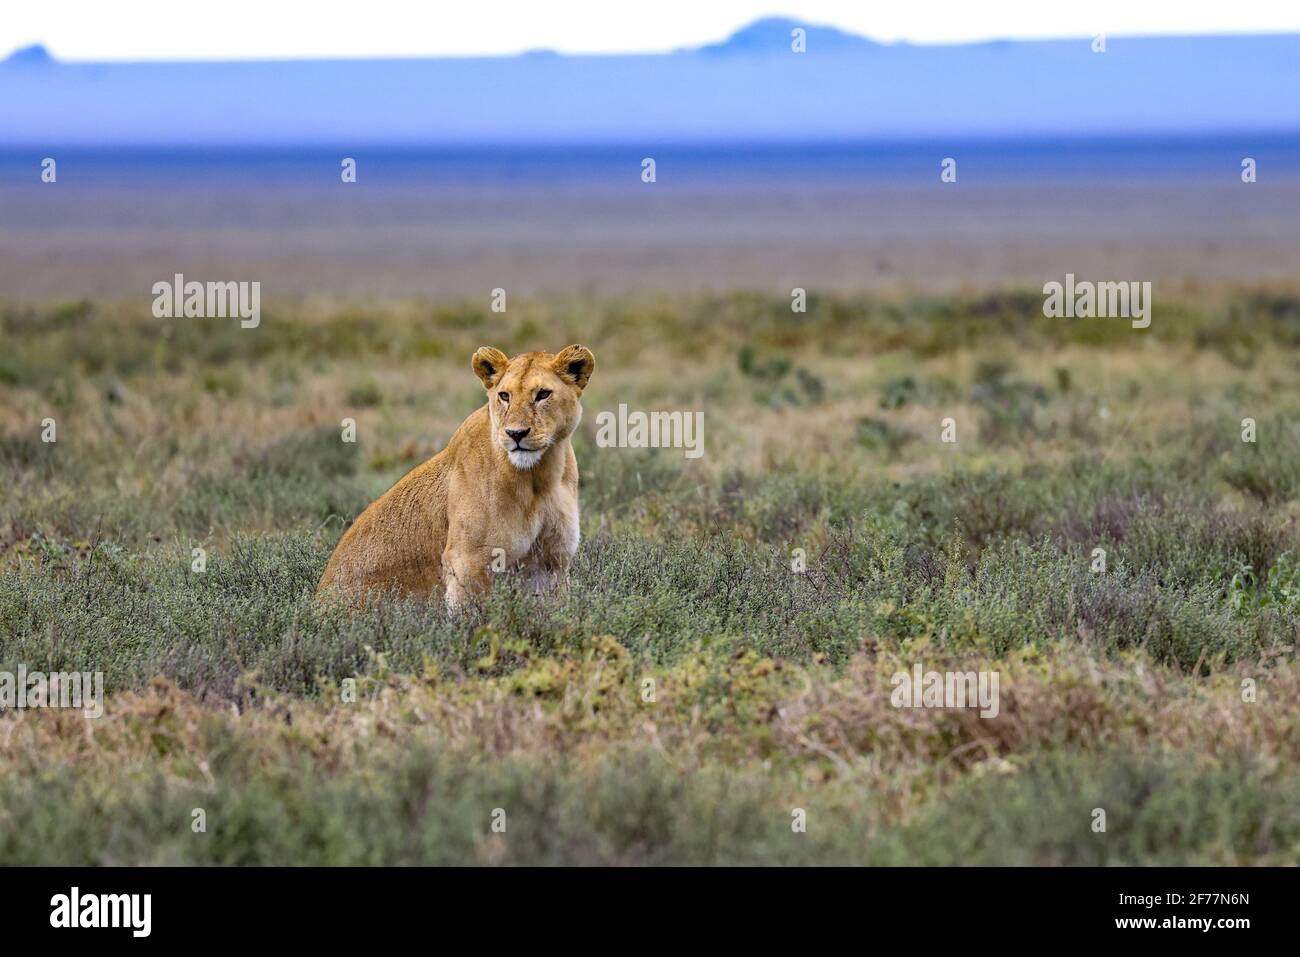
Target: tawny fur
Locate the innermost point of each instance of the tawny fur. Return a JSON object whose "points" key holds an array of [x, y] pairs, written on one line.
{"points": [[474, 509]]}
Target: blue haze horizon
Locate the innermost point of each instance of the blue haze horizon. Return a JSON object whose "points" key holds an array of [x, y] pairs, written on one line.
{"points": [[750, 88]]}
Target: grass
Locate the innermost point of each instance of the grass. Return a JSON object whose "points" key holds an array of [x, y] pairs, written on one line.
{"points": [[1161, 689]]}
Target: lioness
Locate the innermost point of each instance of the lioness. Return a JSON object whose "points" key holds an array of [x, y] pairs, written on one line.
{"points": [[502, 494]]}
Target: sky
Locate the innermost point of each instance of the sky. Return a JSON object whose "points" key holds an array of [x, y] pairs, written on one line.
{"points": [[262, 29]]}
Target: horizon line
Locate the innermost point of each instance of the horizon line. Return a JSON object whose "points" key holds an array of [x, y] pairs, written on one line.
{"points": [[48, 56]]}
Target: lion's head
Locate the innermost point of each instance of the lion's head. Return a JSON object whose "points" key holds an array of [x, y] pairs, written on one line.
{"points": [[533, 398]]}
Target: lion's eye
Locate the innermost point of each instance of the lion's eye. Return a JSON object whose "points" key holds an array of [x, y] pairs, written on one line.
{"points": [[503, 396], [542, 394]]}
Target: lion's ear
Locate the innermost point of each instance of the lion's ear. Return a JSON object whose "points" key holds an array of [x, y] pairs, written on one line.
{"points": [[576, 364], [489, 365]]}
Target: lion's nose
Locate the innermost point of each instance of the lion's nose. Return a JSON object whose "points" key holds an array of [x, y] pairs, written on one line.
{"points": [[517, 434]]}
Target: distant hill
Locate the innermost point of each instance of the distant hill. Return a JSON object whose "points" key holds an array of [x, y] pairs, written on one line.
{"points": [[749, 87], [774, 35], [35, 55]]}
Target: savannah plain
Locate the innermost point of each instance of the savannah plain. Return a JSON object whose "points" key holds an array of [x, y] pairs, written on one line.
{"points": [[691, 689]]}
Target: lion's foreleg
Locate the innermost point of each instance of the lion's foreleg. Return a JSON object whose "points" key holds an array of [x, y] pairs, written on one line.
{"points": [[465, 574]]}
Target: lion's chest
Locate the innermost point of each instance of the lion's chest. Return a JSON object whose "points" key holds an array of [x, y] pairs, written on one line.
{"points": [[549, 529], [521, 537]]}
